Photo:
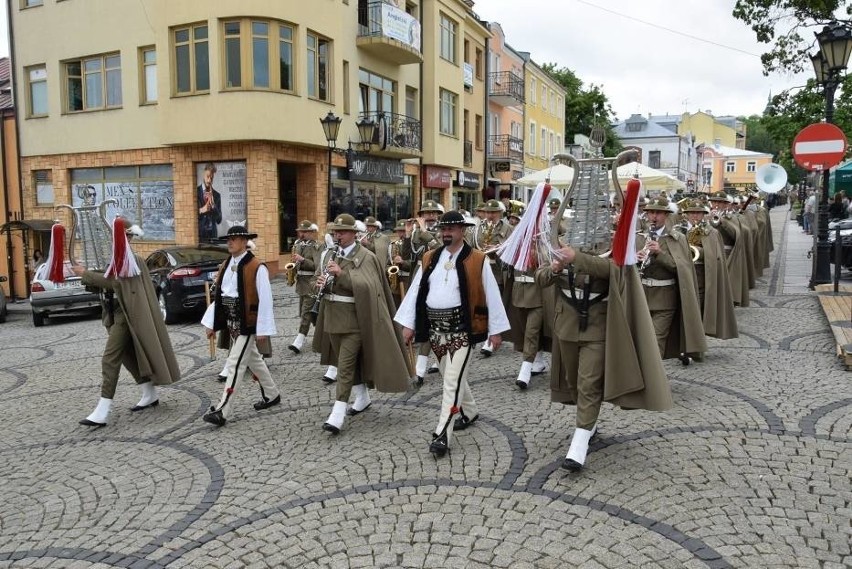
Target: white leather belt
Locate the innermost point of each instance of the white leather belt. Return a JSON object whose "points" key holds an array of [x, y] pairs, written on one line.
{"points": [[578, 293], [658, 282], [403, 274], [524, 279], [338, 298], [305, 273], [492, 261], [728, 247]]}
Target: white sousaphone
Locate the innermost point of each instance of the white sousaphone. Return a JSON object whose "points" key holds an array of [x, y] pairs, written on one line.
{"points": [[770, 178]]}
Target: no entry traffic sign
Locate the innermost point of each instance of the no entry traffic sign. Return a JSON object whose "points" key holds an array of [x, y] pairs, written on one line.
{"points": [[819, 146]]}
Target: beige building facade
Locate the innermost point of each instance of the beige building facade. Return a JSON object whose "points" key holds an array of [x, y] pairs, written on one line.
{"points": [[142, 96], [545, 117], [455, 47]]}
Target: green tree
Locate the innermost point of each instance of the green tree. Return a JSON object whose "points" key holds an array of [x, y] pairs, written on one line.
{"points": [[584, 108], [787, 27]]}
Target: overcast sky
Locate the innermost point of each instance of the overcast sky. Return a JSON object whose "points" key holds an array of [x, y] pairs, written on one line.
{"points": [[708, 61], [643, 68]]}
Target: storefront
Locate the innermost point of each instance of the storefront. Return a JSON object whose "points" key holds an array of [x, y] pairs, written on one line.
{"points": [[435, 181], [371, 187], [467, 193]]}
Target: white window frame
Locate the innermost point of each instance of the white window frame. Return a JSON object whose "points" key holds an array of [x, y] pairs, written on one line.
{"points": [[40, 80], [730, 167], [751, 166], [533, 135], [449, 29], [147, 76], [448, 107]]}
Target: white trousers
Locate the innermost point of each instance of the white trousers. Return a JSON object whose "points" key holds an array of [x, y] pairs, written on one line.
{"points": [[457, 394], [244, 355]]}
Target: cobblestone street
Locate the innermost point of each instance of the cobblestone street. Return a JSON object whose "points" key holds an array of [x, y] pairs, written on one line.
{"points": [[751, 468]]}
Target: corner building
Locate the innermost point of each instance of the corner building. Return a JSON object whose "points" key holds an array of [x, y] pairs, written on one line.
{"points": [[143, 95]]}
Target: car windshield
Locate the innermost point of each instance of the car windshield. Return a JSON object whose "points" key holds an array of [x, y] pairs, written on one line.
{"points": [[41, 271], [192, 256]]}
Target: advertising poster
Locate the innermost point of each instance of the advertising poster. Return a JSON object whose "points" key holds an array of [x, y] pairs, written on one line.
{"points": [[148, 203], [220, 198]]}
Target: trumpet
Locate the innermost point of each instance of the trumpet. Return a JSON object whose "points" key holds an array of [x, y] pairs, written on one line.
{"points": [[328, 280]]}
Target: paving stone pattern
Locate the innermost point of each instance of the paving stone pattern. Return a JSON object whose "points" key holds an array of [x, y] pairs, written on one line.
{"points": [[751, 468]]}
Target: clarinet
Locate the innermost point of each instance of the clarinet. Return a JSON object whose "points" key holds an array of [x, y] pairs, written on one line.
{"points": [[329, 280]]}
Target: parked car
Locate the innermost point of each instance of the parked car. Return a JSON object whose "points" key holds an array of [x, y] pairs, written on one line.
{"points": [[179, 274], [3, 309], [845, 227], [49, 299]]}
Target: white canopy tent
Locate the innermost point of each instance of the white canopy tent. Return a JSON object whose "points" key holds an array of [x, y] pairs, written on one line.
{"points": [[559, 175], [653, 180]]}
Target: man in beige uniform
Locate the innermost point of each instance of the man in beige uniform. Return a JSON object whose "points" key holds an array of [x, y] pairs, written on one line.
{"points": [[490, 234], [668, 278], [306, 256], [356, 312]]}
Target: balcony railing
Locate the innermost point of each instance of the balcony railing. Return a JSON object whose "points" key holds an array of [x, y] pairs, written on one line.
{"points": [[396, 132], [389, 32], [468, 153], [502, 147], [506, 88]]}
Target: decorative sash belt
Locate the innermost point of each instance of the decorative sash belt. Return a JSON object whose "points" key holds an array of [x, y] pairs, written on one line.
{"points": [[658, 282], [231, 304], [444, 320]]}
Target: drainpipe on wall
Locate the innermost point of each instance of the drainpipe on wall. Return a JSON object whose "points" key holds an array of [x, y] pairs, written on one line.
{"points": [[486, 119], [17, 135]]}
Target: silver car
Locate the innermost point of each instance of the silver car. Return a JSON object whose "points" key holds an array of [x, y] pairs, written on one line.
{"points": [[48, 298]]}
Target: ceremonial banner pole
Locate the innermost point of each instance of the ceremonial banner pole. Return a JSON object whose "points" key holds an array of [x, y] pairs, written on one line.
{"points": [[213, 338]]}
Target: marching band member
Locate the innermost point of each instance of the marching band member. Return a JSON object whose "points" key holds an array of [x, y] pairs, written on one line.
{"points": [[668, 278], [243, 307], [136, 334], [424, 237], [356, 314], [489, 235], [306, 253], [454, 302]]}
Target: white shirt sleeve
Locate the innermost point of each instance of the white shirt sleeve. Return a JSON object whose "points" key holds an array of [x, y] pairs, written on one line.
{"points": [[498, 321], [207, 319], [265, 317], [406, 314]]}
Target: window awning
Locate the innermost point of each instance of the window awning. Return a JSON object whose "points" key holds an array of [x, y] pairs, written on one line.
{"points": [[27, 224]]}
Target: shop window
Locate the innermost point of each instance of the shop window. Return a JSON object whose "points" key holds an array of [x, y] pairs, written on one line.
{"points": [[145, 195]]}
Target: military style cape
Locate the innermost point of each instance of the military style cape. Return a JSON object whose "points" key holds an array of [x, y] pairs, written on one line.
{"points": [[686, 335], [719, 318], [737, 263], [383, 365], [634, 377], [152, 347]]}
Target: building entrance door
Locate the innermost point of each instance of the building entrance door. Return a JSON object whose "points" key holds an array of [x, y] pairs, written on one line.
{"points": [[287, 206]]}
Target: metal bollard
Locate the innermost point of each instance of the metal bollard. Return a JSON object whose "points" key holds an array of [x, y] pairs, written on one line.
{"points": [[838, 252]]}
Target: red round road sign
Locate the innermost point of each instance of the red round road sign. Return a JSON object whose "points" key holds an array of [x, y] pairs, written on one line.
{"points": [[819, 146]]}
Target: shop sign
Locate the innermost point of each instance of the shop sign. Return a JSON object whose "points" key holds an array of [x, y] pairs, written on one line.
{"points": [[435, 177], [467, 179], [371, 169], [502, 166]]}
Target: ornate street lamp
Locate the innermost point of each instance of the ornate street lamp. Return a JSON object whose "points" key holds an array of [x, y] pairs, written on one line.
{"points": [[835, 46], [331, 128]]}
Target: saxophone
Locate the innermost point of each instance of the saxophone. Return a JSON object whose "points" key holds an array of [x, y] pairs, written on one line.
{"points": [[291, 268], [393, 270]]}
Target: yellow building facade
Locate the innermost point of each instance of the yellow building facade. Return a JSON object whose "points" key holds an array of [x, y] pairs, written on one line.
{"points": [[545, 117], [730, 169], [142, 96], [707, 130], [455, 47]]}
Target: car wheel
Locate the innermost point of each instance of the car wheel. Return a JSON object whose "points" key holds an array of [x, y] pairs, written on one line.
{"points": [[168, 316], [38, 319]]}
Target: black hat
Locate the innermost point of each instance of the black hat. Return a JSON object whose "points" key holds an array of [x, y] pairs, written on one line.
{"points": [[240, 231], [453, 217]]}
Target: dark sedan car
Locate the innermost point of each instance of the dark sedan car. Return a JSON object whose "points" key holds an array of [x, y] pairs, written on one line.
{"points": [[179, 274]]}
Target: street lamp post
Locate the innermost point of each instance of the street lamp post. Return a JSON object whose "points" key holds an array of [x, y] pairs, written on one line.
{"points": [[835, 45], [331, 128]]}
